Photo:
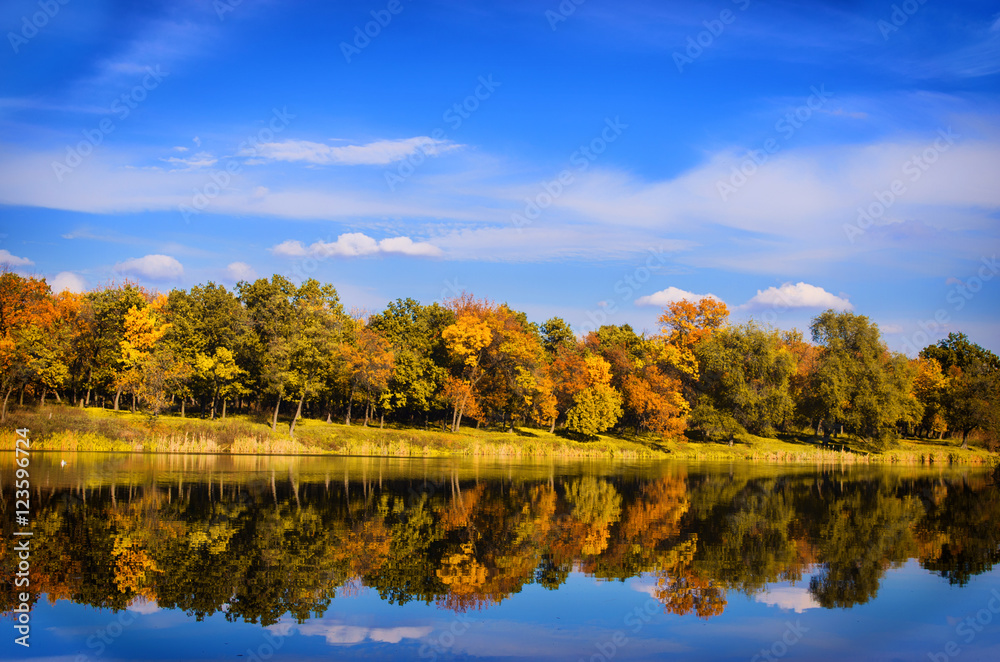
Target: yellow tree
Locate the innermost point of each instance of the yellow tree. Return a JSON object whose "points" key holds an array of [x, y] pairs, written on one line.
{"points": [[142, 329], [929, 387], [684, 324], [467, 340], [599, 406]]}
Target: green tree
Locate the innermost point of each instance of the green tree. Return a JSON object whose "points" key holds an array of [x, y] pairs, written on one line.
{"points": [[860, 384], [420, 371], [745, 374]]}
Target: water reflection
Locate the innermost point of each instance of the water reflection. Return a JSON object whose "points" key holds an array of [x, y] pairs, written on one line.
{"points": [[258, 538]]}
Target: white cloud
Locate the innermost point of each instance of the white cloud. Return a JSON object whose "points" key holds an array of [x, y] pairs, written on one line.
{"points": [[796, 598], [153, 267], [380, 152], [290, 248], [672, 295], [13, 260], [336, 634], [890, 328], [67, 280], [800, 295], [406, 246], [240, 271], [199, 160], [354, 244], [143, 606]]}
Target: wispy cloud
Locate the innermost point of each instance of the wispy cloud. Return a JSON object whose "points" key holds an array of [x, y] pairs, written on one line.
{"points": [[193, 162], [380, 152]]}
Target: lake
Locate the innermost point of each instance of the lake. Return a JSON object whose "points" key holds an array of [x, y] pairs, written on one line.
{"points": [[217, 557]]}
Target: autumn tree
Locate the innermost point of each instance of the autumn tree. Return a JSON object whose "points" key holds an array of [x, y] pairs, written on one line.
{"points": [[467, 341], [683, 325], [110, 307], [370, 364], [930, 387], [598, 406], [971, 396]]}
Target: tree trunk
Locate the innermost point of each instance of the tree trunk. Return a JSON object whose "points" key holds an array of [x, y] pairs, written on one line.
{"points": [[350, 403], [211, 416], [277, 405], [133, 403], [368, 408], [86, 403], [965, 439], [42, 401], [118, 394], [298, 412], [3, 412], [552, 428], [56, 393], [223, 409], [381, 421], [183, 402]]}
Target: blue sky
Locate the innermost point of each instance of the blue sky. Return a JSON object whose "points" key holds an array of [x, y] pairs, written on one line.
{"points": [[592, 161]]}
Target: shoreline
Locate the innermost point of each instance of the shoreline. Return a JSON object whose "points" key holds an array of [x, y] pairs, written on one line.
{"points": [[69, 429]]}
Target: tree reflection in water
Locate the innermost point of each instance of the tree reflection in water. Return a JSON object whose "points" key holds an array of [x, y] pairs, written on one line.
{"points": [[257, 549]]}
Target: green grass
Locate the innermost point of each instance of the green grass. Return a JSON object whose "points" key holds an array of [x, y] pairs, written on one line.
{"points": [[67, 428]]}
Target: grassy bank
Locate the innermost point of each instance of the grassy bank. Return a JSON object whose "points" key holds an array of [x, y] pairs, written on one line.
{"points": [[72, 429]]}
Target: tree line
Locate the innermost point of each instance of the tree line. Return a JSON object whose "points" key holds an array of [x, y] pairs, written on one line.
{"points": [[271, 346]]}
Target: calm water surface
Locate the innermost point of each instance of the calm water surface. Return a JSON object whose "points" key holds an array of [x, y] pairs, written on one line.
{"points": [[200, 557]]}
